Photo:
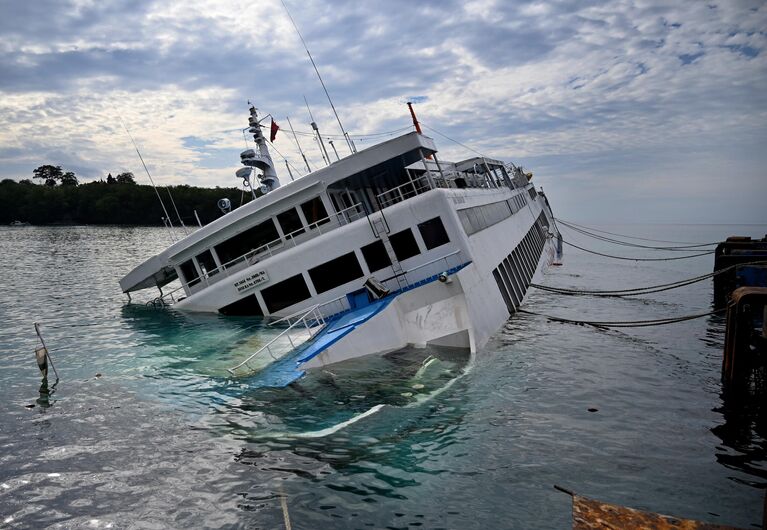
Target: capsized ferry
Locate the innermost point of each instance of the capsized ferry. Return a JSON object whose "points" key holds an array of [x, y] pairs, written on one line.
{"points": [[387, 247]]}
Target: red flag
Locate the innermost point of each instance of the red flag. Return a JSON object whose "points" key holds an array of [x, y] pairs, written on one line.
{"points": [[273, 133]]}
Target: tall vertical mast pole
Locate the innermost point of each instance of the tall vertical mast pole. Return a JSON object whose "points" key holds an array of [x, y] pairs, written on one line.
{"points": [[323, 151], [298, 145], [415, 120], [346, 136], [418, 127]]}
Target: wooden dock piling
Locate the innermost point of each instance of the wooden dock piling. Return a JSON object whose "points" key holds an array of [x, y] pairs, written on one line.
{"points": [[745, 344]]}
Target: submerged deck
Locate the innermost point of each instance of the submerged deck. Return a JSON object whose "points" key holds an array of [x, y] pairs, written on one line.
{"points": [[287, 369]]}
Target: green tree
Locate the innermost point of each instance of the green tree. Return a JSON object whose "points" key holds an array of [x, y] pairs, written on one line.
{"points": [[48, 174], [68, 179], [126, 178], [110, 179]]}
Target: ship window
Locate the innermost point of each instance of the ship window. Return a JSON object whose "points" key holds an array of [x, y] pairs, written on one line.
{"points": [[315, 212], [335, 272], [189, 271], [247, 306], [207, 263], [251, 239], [404, 244], [502, 289], [433, 233], [285, 293], [376, 256], [290, 223]]}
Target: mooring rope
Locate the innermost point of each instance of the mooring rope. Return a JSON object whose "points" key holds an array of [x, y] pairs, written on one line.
{"points": [[637, 259], [684, 248], [625, 323], [635, 237], [641, 290]]}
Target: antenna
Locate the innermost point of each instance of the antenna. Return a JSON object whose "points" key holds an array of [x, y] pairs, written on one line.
{"points": [[151, 180], [298, 145], [334, 149], [287, 165], [346, 136], [323, 151]]}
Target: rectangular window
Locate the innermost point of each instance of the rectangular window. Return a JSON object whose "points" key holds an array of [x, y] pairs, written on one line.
{"points": [[189, 271], [376, 256], [290, 223], [514, 290], [207, 263], [503, 291], [433, 233], [404, 244], [335, 272], [285, 293], [251, 239], [480, 217], [314, 212], [507, 282], [247, 306]]}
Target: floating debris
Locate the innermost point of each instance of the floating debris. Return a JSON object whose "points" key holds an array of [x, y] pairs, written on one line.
{"points": [[590, 514]]}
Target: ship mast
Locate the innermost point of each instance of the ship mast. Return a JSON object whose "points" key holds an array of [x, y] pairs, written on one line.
{"points": [[259, 158]]}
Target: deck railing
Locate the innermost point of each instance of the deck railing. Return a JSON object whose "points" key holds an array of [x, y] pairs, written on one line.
{"points": [[302, 326], [290, 240], [423, 273], [404, 191]]}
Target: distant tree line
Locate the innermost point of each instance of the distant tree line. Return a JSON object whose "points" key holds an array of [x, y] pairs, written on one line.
{"points": [[60, 199]]}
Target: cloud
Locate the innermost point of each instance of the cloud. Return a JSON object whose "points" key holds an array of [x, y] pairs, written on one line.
{"points": [[604, 101]]}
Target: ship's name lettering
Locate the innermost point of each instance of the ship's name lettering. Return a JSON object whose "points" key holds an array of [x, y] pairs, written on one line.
{"points": [[257, 278]]}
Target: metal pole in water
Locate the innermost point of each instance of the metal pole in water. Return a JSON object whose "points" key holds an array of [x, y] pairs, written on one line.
{"points": [[43, 357]]}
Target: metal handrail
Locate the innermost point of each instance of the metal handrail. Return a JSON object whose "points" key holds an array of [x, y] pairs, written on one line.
{"points": [[408, 282], [342, 301], [316, 319], [292, 315], [397, 192]]}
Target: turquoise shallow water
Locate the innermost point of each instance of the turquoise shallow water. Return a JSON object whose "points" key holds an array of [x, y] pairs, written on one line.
{"points": [[145, 430]]}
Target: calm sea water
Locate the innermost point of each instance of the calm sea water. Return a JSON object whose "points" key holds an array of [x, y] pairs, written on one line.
{"points": [[146, 431]]}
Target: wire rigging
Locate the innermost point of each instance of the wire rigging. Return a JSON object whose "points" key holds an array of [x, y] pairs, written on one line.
{"points": [[283, 156], [453, 140], [359, 136]]}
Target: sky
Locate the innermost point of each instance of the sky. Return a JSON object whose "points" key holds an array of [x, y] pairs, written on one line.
{"points": [[625, 111]]}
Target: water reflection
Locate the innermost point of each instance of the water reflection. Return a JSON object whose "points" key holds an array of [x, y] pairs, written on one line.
{"points": [[45, 391], [744, 412]]}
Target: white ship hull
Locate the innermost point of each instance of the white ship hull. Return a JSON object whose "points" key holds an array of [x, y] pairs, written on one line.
{"points": [[391, 213]]}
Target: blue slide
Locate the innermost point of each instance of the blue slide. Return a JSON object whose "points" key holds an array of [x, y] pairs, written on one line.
{"points": [[287, 369]]}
